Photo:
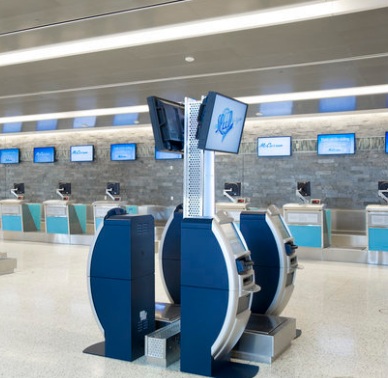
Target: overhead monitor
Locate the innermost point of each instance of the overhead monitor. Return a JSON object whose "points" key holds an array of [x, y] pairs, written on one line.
{"points": [[220, 123], [274, 146], [336, 144], [44, 154], [164, 155], [81, 153], [64, 188], [167, 119], [9, 156], [123, 151]]}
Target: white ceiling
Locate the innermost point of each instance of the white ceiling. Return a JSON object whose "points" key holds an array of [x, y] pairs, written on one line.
{"points": [[348, 50]]}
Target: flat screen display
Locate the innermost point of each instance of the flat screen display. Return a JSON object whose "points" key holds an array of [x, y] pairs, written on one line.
{"points": [[44, 154], [336, 144], [164, 155], [386, 142], [221, 123], [279, 224], [233, 238], [167, 120], [82, 153], [123, 151], [274, 146], [9, 156]]}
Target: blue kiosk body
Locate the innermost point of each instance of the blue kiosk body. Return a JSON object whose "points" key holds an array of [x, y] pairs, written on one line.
{"points": [[170, 255], [217, 284], [275, 261], [122, 285]]}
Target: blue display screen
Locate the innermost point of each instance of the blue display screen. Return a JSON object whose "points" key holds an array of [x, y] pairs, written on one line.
{"points": [[221, 124], [162, 155], [386, 142], [44, 154], [9, 156], [336, 144], [125, 151]]}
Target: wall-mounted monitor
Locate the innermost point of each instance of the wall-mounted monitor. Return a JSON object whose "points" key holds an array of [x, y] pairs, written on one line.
{"points": [[44, 154], [9, 156], [304, 188], [220, 123], [336, 144], [386, 142], [18, 188], [113, 188], [164, 155], [123, 151], [167, 119], [65, 188], [274, 146], [82, 153]]}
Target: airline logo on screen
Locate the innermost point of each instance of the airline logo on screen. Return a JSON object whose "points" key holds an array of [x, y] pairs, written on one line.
{"points": [[277, 146], [225, 122]]}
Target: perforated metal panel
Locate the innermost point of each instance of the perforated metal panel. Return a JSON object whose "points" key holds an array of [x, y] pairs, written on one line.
{"points": [[193, 172]]}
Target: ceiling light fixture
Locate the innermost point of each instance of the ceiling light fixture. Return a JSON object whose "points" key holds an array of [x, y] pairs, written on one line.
{"points": [[244, 21], [314, 95], [77, 113], [296, 96]]}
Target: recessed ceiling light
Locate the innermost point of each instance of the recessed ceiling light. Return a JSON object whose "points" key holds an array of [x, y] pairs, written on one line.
{"points": [[189, 59]]}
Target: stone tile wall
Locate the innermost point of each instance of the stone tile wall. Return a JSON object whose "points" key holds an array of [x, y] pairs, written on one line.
{"points": [[340, 181]]}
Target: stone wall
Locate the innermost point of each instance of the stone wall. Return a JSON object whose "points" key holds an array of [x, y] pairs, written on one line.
{"points": [[340, 181]]}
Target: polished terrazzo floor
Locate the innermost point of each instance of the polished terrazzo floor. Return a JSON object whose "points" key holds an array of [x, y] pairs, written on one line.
{"points": [[46, 320]]}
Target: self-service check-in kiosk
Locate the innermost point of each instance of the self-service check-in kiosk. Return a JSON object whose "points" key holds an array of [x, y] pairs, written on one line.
{"points": [[272, 248], [121, 282], [275, 261], [217, 285]]}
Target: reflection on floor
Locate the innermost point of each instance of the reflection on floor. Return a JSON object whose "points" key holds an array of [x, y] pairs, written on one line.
{"points": [[46, 320]]}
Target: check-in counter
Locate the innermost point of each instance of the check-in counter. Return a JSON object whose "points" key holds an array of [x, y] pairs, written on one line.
{"points": [[309, 224], [100, 208], [16, 215], [377, 227], [65, 217]]}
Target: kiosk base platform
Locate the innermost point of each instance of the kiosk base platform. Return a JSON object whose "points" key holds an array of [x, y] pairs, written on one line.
{"points": [[7, 264], [265, 338]]}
